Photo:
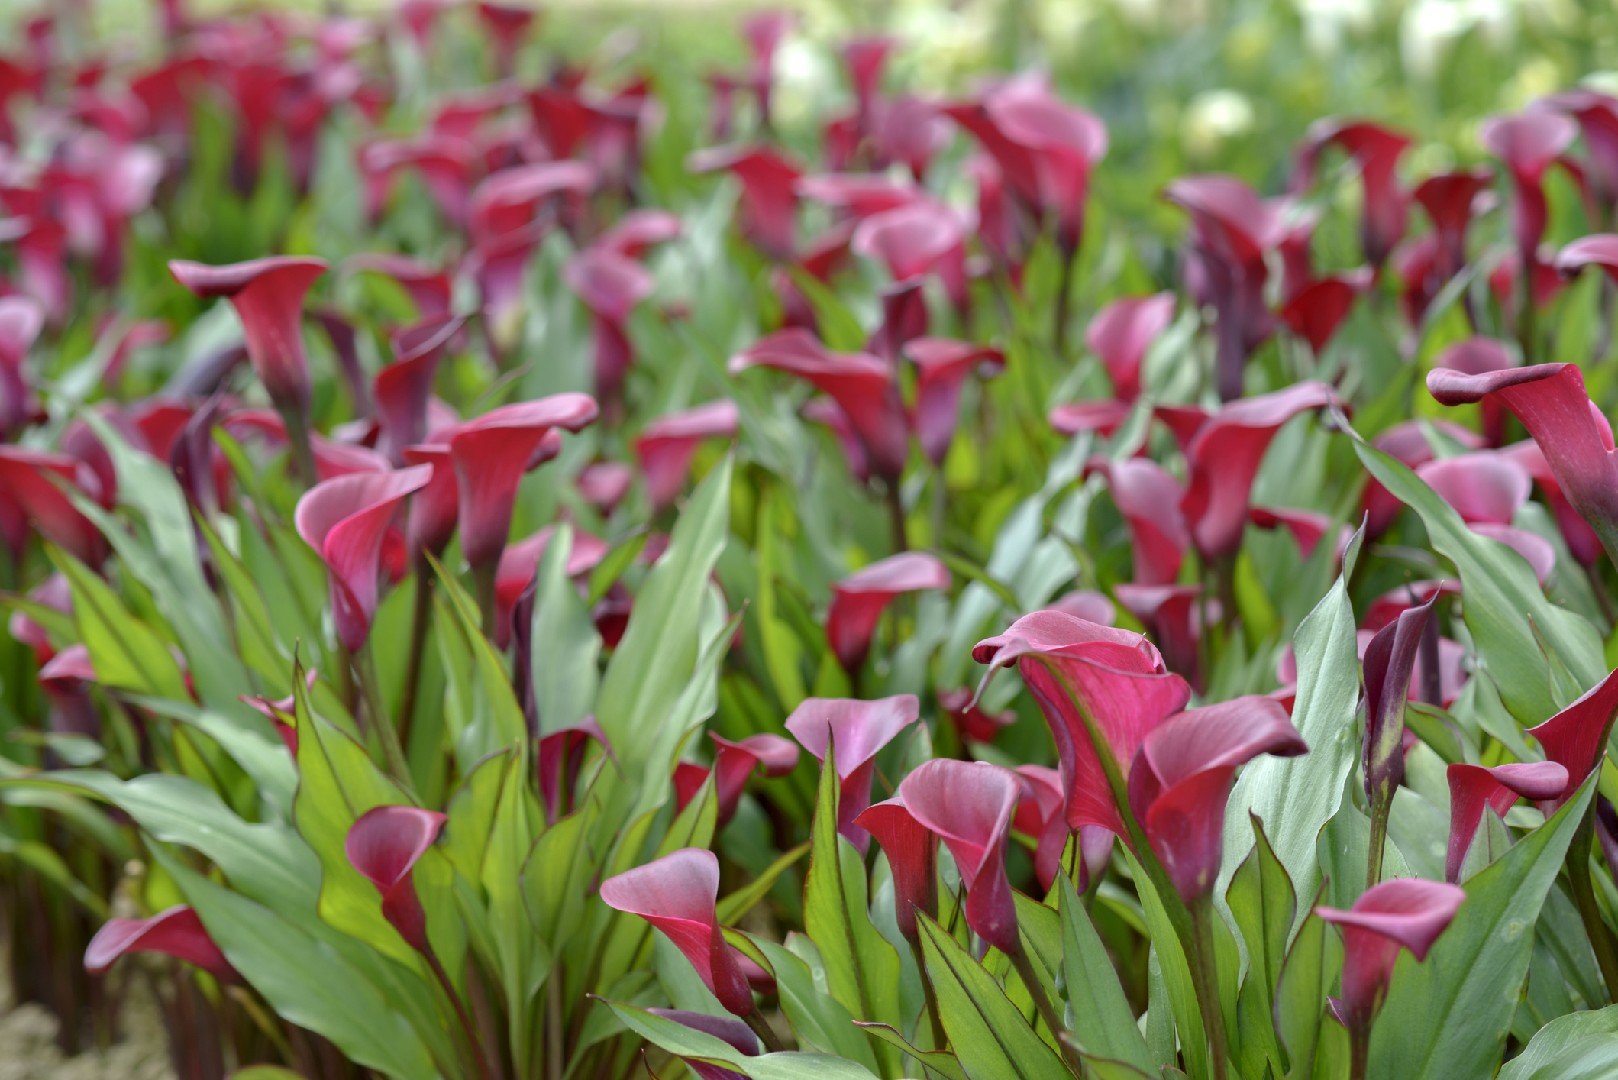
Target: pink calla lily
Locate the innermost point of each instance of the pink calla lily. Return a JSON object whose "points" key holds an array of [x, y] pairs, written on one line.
{"points": [[1472, 788], [853, 731], [384, 845], [177, 932], [859, 600]]}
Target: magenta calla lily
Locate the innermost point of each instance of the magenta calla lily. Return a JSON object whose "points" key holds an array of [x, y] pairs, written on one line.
{"points": [[1483, 487], [1390, 660], [32, 496], [21, 321], [1576, 737], [176, 932], [968, 805], [1040, 815], [1148, 497], [942, 367], [1122, 332], [853, 731], [384, 844], [1172, 615], [769, 202], [431, 289], [346, 520], [1406, 913], [734, 764], [667, 445], [403, 389], [859, 600], [973, 723], [1527, 144], [1376, 150], [611, 285], [1472, 788], [1408, 443], [912, 851], [268, 296], [677, 894]]}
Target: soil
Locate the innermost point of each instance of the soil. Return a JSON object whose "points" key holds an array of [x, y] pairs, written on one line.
{"points": [[28, 1049]]}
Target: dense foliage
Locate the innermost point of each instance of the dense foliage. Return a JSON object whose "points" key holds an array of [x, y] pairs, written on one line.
{"points": [[511, 538]]}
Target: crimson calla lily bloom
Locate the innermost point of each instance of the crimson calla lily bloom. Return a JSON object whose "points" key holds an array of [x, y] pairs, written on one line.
{"points": [[735, 762], [1570, 431], [1101, 690], [1406, 442], [1406, 913], [1172, 616], [403, 388], [1473, 787], [969, 805], [1121, 333], [176, 932], [30, 496], [942, 366], [1308, 528], [559, 759], [1040, 815], [1527, 144], [520, 561], [1318, 310], [972, 722], [854, 730], [1479, 356], [1599, 250], [1224, 458], [1576, 737], [1390, 660], [506, 25], [21, 320], [1481, 486], [430, 288], [667, 444], [634, 234], [769, 197], [268, 297], [764, 32], [384, 845], [346, 520], [859, 600], [1181, 779], [1376, 150], [862, 386], [1148, 498], [490, 455], [1597, 115], [677, 895], [912, 851], [610, 285], [1450, 200]]}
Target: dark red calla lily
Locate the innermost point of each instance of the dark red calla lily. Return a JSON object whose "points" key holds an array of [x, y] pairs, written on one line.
{"points": [[1148, 498], [735, 762], [862, 386], [769, 199], [176, 932], [1576, 737], [764, 31], [942, 367], [384, 845], [505, 25], [969, 805], [404, 388], [520, 561], [1102, 417], [1479, 356], [346, 520], [21, 320], [559, 760], [667, 444], [1483, 487], [1086, 604], [1527, 144], [859, 600], [1582, 541], [1172, 615], [611, 286], [912, 851], [677, 895], [1102, 690], [859, 195], [1121, 333], [1597, 116], [1572, 434], [1308, 528], [1040, 815], [1390, 660], [1406, 913], [1319, 309], [31, 497], [431, 289], [1182, 776], [603, 484], [866, 57], [1451, 200], [268, 297], [1473, 787], [490, 455], [1224, 458], [1376, 150], [855, 731], [973, 724]]}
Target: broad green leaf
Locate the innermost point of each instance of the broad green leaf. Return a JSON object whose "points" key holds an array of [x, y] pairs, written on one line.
{"points": [[1450, 1015], [819, 1020], [990, 1037], [1264, 905], [1308, 975], [1176, 972], [676, 1038], [496, 720], [1579, 1044], [783, 655], [1103, 1023], [566, 647], [938, 1063], [125, 653]]}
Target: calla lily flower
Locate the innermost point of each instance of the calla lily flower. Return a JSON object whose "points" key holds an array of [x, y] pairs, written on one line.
{"points": [[1599, 250], [506, 25], [346, 520], [176, 932], [559, 759], [1040, 815], [520, 561], [677, 895], [1481, 486], [735, 762], [1148, 498], [431, 289], [1182, 776], [1406, 913], [1390, 660], [1308, 528], [1102, 690], [1473, 787], [859, 600], [666, 446], [21, 320], [854, 731], [969, 805], [1597, 116], [268, 296], [1121, 333], [942, 366], [1527, 144], [490, 455], [1406, 442], [1224, 458], [1172, 615], [912, 851], [769, 198], [31, 497], [1576, 737], [1376, 150], [1318, 310], [972, 722], [638, 231], [1480, 356], [764, 32], [1572, 434], [1450, 200], [611, 286], [1085, 604], [863, 387], [404, 388], [384, 845]]}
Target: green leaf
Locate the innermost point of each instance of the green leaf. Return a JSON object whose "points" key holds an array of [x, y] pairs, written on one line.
{"points": [[1308, 975], [991, 1038], [125, 653], [264, 1072], [1295, 797], [1449, 1016], [566, 647], [1102, 1021], [939, 1063], [731, 908], [1579, 1044], [1263, 902], [783, 655], [819, 1020], [1176, 971], [676, 1038]]}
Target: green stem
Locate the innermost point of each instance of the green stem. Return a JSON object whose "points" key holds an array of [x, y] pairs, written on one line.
{"points": [[896, 514], [931, 1007], [476, 1045], [1380, 807], [1584, 897], [1047, 1010], [483, 578], [380, 720], [303, 455], [766, 1034], [1205, 973], [421, 617]]}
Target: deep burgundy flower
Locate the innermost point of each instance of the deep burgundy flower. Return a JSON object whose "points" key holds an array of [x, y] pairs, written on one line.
{"points": [[505, 25], [769, 198], [1527, 144], [1474, 787], [559, 761], [968, 805], [1406, 442], [1450, 200], [430, 288], [1597, 116], [403, 388], [973, 724], [1102, 691], [735, 762], [764, 31], [1224, 457], [1148, 497], [1406, 913], [859, 600], [520, 561], [912, 851], [1102, 417], [1576, 737], [1571, 432], [1319, 309], [854, 731], [1308, 528], [611, 285], [21, 320], [32, 498], [268, 297], [1479, 356], [942, 366], [176, 932], [1121, 333], [665, 447], [1181, 779], [1390, 660], [490, 455], [677, 895], [384, 845], [346, 520], [1376, 150], [1172, 615], [1040, 816], [863, 387]]}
